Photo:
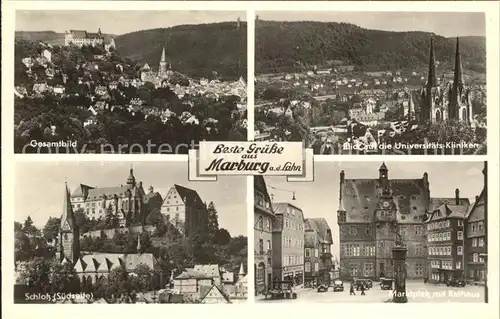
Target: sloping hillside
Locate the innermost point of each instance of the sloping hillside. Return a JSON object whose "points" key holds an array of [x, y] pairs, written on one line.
{"points": [[194, 50], [282, 46]]}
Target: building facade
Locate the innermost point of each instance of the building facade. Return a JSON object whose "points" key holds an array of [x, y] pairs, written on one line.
{"points": [[288, 243], [443, 100], [82, 37], [263, 236], [184, 209], [128, 203], [371, 212], [446, 241], [317, 252], [476, 240]]}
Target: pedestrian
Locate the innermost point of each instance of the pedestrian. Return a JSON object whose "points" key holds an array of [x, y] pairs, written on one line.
{"points": [[351, 290], [362, 289]]}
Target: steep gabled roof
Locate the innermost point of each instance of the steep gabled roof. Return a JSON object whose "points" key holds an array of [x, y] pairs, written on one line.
{"points": [[189, 196], [324, 231], [220, 292]]}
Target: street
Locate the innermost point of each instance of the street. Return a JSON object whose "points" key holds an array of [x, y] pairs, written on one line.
{"points": [[416, 291]]}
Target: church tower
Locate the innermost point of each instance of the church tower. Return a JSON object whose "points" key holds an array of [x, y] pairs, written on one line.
{"points": [[431, 89], [69, 236], [460, 106], [131, 179], [163, 67]]}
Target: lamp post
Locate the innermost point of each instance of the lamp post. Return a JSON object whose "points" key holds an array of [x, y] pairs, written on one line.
{"points": [[399, 257]]}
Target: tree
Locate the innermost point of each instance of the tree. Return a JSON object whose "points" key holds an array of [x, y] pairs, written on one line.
{"points": [[62, 277], [23, 249], [29, 228], [213, 221], [52, 228], [18, 226], [118, 285], [111, 219], [37, 274], [222, 237], [140, 279]]}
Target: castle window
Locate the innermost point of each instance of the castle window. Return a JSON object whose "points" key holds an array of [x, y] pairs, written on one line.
{"points": [[414, 207]]}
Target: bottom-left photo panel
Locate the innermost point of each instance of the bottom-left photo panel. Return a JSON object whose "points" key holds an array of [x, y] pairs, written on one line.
{"points": [[128, 232]]}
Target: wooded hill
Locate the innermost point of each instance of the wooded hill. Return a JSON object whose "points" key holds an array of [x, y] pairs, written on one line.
{"points": [[288, 46], [194, 50]]}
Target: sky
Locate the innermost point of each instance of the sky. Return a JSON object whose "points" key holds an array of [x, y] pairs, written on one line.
{"points": [[116, 22], [321, 197], [447, 24], [40, 187]]}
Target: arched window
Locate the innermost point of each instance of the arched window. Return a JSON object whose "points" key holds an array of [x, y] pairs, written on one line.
{"points": [[438, 116], [464, 114]]}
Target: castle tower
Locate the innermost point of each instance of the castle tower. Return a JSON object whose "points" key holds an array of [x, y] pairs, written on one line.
{"points": [[69, 237], [163, 66], [131, 179]]}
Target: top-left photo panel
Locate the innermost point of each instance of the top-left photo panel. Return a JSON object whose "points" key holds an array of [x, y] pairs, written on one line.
{"points": [[128, 82]]}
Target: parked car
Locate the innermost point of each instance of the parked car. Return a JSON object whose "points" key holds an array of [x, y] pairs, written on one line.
{"points": [[455, 283], [322, 288], [283, 290], [386, 283], [338, 285]]}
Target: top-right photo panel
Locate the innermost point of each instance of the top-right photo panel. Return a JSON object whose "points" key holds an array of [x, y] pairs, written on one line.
{"points": [[371, 83]]}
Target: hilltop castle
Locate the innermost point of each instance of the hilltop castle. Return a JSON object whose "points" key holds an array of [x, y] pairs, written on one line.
{"points": [[82, 37], [127, 202], [161, 77], [442, 100]]}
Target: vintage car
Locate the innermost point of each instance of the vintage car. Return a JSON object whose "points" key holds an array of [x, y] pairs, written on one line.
{"points": [[283, 290], [323, 288], [338, 285], [386, 283], [455, 283]]}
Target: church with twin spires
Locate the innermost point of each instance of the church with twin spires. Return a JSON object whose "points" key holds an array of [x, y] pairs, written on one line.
{"points": [[446, 100]]}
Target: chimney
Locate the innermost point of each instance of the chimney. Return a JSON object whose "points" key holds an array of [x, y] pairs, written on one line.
{"points": [[342, 177], [477, 198], [457, 196]]}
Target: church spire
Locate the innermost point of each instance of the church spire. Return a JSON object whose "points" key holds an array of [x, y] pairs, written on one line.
{"points": [[432, 80], [67, 217], [457, 76], [163, 55]]}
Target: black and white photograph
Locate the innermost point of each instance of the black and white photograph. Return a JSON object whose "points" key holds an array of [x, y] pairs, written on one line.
{"points": [[122, 82], [353, 83], [118, 232], [371, 232]]}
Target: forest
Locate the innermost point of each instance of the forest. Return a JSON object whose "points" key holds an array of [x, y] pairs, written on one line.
{"points": [[292, 46]]}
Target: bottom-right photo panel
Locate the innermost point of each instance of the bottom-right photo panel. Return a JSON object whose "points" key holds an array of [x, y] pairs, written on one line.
{"points": [[393, 232]]}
